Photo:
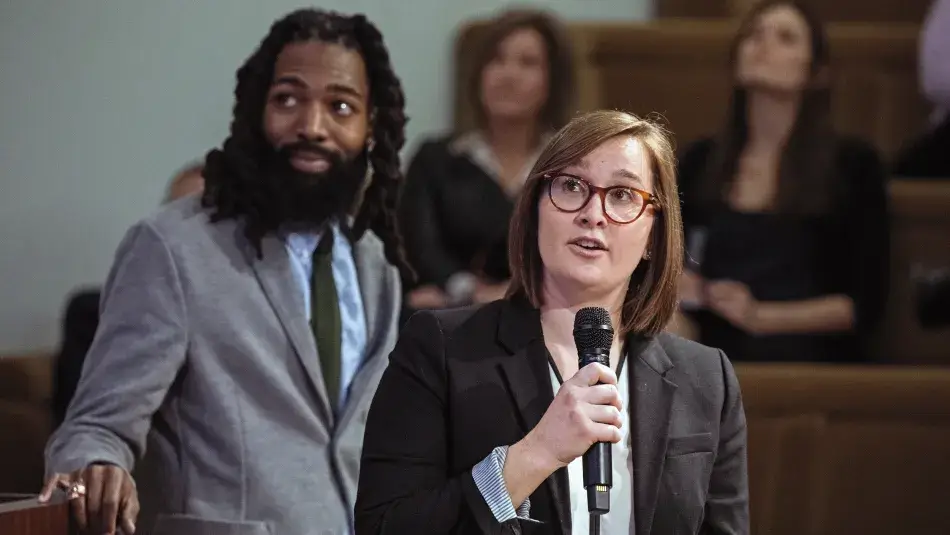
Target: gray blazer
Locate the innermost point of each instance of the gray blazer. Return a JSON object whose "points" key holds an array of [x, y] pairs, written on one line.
{"points": [[204, 353]]}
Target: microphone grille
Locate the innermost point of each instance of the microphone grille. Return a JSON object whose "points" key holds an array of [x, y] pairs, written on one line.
{"points": [[592, 329]]}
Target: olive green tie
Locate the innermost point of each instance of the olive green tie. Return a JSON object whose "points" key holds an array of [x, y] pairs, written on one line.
{"points": [[325, 316]]}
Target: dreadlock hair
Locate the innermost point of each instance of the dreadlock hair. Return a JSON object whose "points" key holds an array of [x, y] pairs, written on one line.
{"points": [[233, 172]]}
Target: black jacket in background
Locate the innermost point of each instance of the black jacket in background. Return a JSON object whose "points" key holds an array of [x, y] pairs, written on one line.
{"points": [[453, 216], [79, 328], [927, 156]]}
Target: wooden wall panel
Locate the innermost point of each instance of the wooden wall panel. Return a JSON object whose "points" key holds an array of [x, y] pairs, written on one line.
{"points": [[885, 11], [920, 242], [678, 68]]}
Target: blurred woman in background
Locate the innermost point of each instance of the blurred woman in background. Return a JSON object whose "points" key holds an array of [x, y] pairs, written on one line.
{"points": [[786, 220], [461, 189]]}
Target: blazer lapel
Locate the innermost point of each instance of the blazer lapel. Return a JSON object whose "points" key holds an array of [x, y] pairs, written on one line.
{"points": [[651, 407], [370, 274], [276, 278], [528, 380]]}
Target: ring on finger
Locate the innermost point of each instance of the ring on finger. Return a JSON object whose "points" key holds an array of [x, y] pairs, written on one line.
{"points": [[76, 489]]}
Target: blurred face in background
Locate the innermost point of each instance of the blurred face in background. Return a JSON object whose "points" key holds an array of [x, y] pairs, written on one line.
{"points": [[514, 85], [775, 52]]}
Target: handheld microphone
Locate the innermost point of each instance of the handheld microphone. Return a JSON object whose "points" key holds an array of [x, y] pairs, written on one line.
{"points": [[593, 336]]}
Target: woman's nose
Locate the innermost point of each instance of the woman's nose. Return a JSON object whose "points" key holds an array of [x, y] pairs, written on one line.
{"points": [[592, 214]]}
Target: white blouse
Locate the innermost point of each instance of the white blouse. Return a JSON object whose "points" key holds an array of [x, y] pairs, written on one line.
{"points": [[619, 521]]}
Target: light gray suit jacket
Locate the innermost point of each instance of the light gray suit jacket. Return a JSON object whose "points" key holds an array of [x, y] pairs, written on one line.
{"points": [[204, 352]]}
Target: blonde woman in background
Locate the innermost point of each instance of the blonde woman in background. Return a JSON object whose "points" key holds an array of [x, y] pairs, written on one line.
{"points": [[461, 189]]}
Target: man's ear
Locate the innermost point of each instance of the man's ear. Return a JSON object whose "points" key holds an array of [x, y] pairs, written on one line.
{"points": [[371, 127]]}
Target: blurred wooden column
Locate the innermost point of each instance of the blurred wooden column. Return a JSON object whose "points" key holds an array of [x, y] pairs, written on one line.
{"points": [[737, 8], [693, 8]]}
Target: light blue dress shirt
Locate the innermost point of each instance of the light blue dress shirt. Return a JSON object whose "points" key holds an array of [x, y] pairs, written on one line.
{"points": [[352, 315]]}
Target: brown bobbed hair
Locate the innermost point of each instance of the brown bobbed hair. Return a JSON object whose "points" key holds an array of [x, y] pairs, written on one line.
{"points": [[561, 75], [806, 168], [652, 296]]}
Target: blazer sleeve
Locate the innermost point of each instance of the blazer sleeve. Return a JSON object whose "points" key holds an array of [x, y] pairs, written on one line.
{"points": [[134, 358], [404, 484], [79, 329], [727, 507], [867, 232], [426, 244]]}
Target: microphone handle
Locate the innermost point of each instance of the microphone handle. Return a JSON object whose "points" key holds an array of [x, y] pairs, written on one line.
{"points": [[598, 477], [597, 462]]}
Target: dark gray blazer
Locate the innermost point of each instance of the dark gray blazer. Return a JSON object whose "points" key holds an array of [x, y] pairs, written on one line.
{"points": [[461, 382], [207, 351]]}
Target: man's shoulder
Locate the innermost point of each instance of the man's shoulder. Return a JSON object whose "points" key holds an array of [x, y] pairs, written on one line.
{"points": [[179, 219], [185, 227], [183, 231]]}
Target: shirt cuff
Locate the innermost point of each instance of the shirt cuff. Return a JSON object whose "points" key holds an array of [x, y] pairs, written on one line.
{"points": [[490, 481]]}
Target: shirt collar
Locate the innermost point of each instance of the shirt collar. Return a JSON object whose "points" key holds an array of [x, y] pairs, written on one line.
{"points": [[475, 147], [303, 244]]}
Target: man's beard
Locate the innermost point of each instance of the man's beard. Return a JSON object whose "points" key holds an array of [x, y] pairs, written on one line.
{"points": [[307, 201]]}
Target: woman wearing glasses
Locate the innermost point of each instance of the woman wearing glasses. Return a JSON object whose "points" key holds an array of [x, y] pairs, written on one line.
{"points": [[481, 419]]}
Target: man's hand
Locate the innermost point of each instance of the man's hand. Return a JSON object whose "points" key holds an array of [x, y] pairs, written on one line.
{"points": [[102, 497]]}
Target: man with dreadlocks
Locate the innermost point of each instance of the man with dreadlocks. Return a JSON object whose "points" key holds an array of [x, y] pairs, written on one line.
{"points": [[243, 333]]}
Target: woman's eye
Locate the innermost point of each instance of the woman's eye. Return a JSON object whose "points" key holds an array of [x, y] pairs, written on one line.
{"points": [[572, 184], [624, 195]]}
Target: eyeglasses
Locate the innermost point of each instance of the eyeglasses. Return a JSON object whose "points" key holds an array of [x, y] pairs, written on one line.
{"points": [[621, 204]]}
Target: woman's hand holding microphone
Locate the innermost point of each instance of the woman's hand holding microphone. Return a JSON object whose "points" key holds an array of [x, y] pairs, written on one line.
{"points": [[583, 413]]}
